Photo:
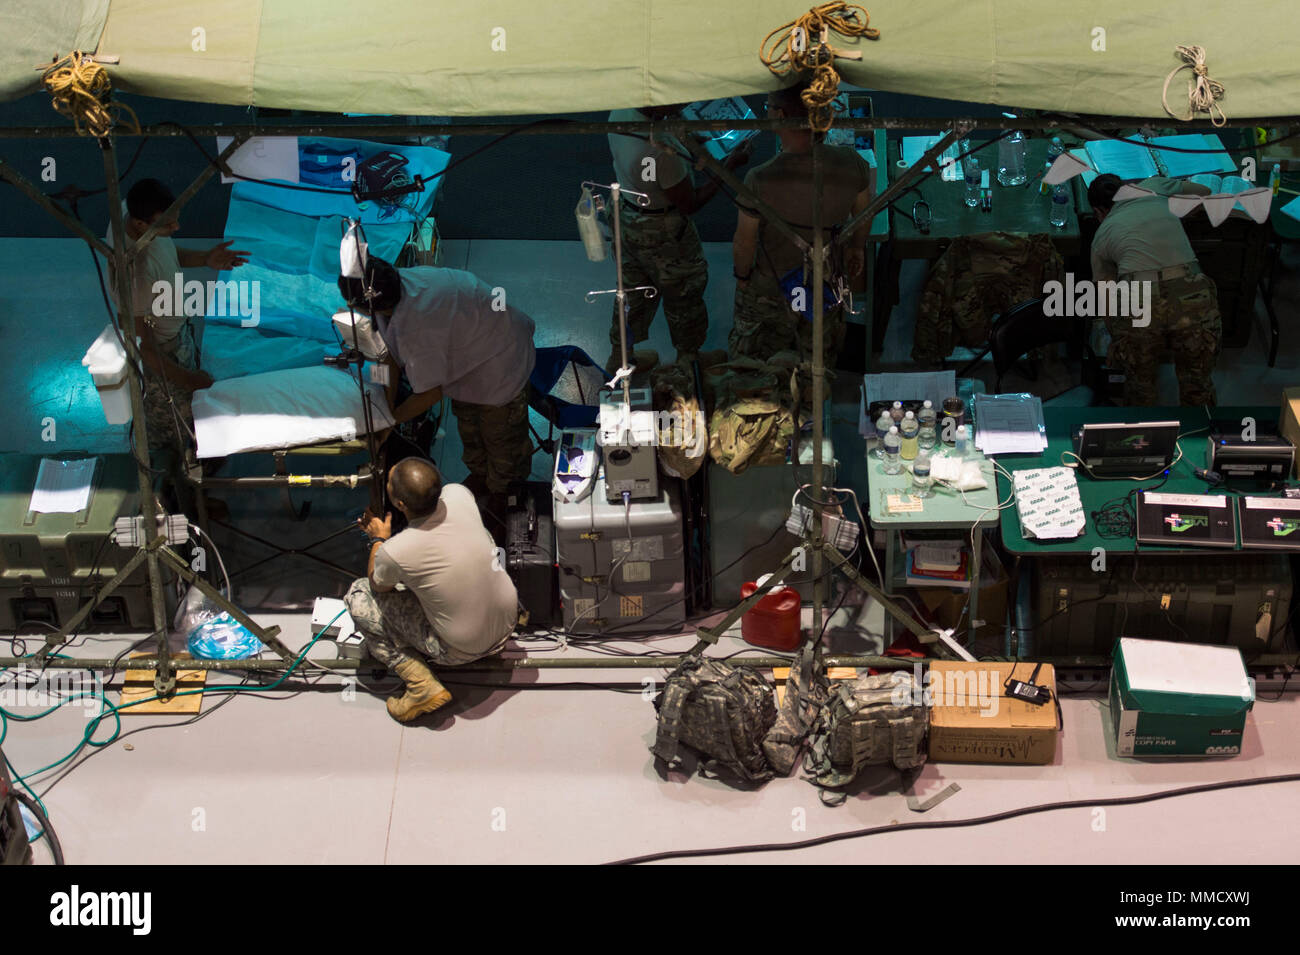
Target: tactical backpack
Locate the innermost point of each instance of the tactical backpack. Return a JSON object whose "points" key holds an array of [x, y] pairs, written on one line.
{"points": [[720, 710], [870, 721]]}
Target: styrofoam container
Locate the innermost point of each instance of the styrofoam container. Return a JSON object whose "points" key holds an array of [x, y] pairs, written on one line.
{"points": [[106, 362]]}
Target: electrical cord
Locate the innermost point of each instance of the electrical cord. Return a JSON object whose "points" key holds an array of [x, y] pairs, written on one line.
{"points": [[34, 807], [963, 823]]}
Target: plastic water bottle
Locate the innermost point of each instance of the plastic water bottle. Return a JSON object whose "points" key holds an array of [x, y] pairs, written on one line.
{"points": [[1011, 160], [896, 412], [1060, 213], [893, 465], [921, 481], [971, 173], [907, 432], [963, 441], [882, 428], [1275, 178], [928, 436]]}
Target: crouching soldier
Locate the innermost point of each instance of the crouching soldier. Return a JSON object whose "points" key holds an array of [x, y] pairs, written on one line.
{"points": [[458, 603]]}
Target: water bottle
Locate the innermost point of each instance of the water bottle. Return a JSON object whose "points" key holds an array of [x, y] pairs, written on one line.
{"points": [[1054, 150], [1275, 178], [1060, 206], [1011, 160], [893, 465], [963, 441], [907, 432], [896, 412], [882, 428], [971, 173], [921, 481], [928, 436]]}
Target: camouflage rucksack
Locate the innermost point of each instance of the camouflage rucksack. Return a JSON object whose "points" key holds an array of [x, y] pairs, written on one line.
{"points": [[869, 721], [723, 711]]}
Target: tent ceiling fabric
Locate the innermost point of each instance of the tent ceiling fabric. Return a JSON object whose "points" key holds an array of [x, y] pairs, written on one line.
{"points": [[445, 58], [36, 31]]}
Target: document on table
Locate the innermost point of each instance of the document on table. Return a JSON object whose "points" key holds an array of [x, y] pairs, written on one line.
{"points": [[904, 386], [1048, 502], [1009, 424], [62, 487], [1128, 160]]}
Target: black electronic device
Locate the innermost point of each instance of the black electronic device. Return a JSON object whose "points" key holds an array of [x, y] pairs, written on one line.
{"points": [[1272, 523], [1186, 520], [1028, 691], [1122, 449], [1266, 457], [530, 554]]}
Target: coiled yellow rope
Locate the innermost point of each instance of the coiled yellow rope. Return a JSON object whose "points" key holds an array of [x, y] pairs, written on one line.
{"points": [[1203, 93], [802, 47], [82, 92]]}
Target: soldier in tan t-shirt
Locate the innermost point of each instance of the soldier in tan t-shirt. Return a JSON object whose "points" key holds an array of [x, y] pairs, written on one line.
{"points": [[764, 322]]}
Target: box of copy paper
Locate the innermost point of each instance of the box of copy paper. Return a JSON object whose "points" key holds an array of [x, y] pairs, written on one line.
{"points": [[1178, 699]]}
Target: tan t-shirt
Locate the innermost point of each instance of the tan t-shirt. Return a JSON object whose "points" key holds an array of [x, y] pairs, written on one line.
{"points": [[1138, 235], [644, 166], [449, 561], [158, 263], [785, 182]]}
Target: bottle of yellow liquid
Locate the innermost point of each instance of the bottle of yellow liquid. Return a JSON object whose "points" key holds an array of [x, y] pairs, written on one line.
{"points": [[908, 432]]}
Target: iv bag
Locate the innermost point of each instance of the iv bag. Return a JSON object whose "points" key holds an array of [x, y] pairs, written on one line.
{"points": [[353, 251], [589, 227]]}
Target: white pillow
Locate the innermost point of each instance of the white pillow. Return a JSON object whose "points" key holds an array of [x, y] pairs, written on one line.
{"points": [[283, 409]]}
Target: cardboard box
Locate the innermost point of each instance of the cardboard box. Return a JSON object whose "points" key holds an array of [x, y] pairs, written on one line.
{"points": [[1288, 421], [972, 720], [1178, 699], [948, 604]]}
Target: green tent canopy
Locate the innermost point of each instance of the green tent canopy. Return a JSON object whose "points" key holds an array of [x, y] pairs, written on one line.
{"points": [[511, 57]]}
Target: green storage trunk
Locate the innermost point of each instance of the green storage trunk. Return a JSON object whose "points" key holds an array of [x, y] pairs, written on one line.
{"points": [[1178, 699], [51, 564]]}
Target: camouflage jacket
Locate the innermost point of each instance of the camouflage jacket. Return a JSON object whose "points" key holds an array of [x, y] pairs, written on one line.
{"points": [[978, 277]]}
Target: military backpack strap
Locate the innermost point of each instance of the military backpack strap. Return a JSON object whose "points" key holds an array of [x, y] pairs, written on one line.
{"points": [[676, 692]]}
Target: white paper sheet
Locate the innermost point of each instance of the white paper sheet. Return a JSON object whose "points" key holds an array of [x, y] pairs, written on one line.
{"points": [[262, 157], [1009, 424], [62, 487]]}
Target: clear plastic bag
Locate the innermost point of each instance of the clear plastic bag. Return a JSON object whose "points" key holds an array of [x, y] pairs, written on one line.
{"points": [[211, 633]]}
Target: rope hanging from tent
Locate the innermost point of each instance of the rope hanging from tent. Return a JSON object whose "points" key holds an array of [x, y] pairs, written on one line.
{"points": [[1203, 93], [82, 92], [802, 48]]}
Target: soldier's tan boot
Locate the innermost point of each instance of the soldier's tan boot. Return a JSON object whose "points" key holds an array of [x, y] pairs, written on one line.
{"points": [[424, 693]]}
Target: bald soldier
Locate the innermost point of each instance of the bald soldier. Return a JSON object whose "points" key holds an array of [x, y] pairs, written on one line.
{"points": [[458, 605], [1140, 240]]}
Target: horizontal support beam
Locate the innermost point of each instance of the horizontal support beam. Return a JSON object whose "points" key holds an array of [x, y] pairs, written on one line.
{"points": [[513, 664], [561, 127]]}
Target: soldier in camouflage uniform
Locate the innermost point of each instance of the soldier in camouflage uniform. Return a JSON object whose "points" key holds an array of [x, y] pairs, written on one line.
{"points": [[497, 450], [395, 627], [977, 278], [1140, 240], [764, 322], [661, 247]]}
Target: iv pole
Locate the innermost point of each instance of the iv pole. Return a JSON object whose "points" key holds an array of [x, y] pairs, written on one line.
{"points": [[620, 294]]}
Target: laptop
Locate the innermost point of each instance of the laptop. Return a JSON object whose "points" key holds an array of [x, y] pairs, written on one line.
{"points": [[1122, 449], [1272, 523], [1186, 520]]}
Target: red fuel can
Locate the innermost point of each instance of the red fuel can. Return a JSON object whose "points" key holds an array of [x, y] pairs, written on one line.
{"points": [[773, 622]]}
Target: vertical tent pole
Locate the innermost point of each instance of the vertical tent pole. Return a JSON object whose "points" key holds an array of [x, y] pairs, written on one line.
{"points": [[165, 678], [818, 387]]}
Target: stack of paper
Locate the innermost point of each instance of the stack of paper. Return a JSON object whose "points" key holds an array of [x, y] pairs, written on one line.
{"points": [[62, 487], [1048, 502], [1009, 424]]}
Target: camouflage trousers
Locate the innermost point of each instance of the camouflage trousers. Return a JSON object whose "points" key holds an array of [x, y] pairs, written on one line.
{"points": [[664, 251], [166, 433], [764, 324], [395, 628], [1185, 322], [495, 440]]}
